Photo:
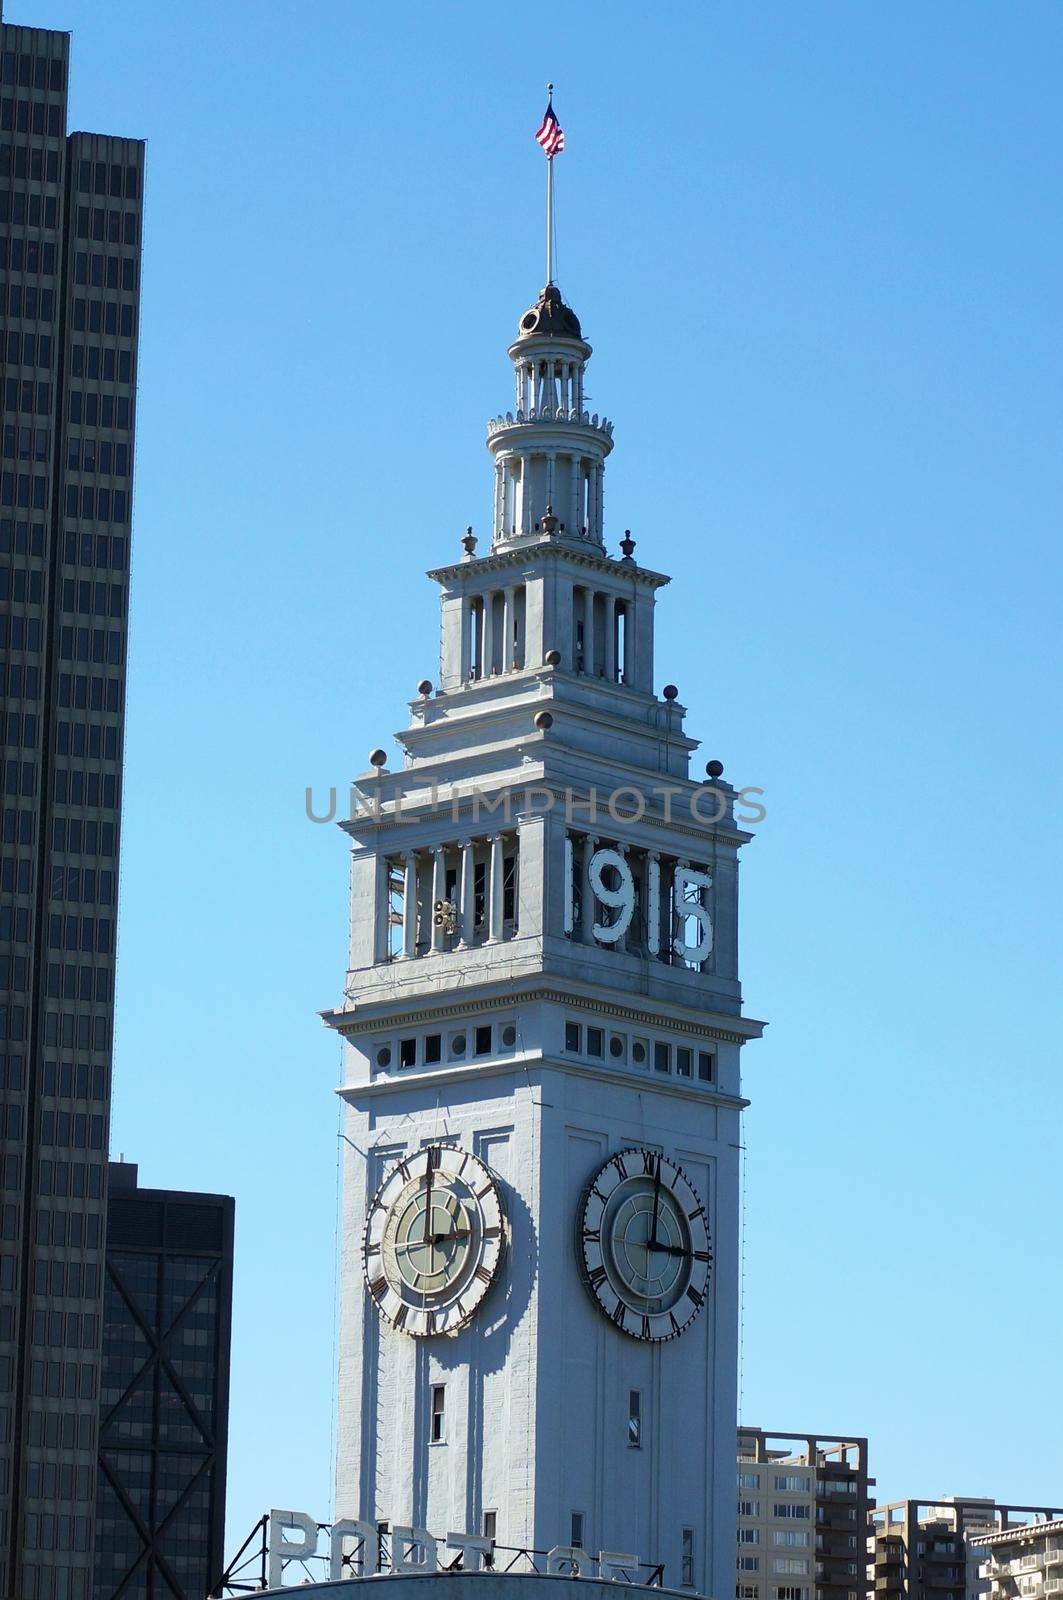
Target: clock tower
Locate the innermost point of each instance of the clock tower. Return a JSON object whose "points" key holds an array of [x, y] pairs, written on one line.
{"points": [[542, 1023]]}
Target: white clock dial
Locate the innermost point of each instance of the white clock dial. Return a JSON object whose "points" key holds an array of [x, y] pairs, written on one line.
{"points": [[642, 1239], [434, 1239]]}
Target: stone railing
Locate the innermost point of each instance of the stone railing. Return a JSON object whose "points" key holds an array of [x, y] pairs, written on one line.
{"points": [[548, 413]]}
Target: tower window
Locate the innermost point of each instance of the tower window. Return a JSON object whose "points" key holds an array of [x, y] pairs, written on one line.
{"points": [[705, 1066], [482, 1041], [573, 1038], [634, 1420], [684, 1061], [639, 1052], [595, 1042], [687, 1563], [438, 1424], [491, 1525], [433, 1048], [407, 1052], [662, 1056], [576, 1541]]}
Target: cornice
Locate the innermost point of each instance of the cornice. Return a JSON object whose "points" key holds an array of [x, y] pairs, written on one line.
{"points": [[523, 555], [352, 1024]]}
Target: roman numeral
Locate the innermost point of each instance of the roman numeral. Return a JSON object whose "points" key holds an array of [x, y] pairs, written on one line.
{"points": [[592, 1235], [597, 1277], [702, 1255], [698, 1212], [650, 1162], [399, 1319], [618, 1313], [596, 1191], [482, 1273], [372, 1249], [675, 1325], [485, 1190], [430, 1324], [377, 1287], [404, 1172], [645, 1327], [492, 1233], [464, 1163], [695, 1295]]}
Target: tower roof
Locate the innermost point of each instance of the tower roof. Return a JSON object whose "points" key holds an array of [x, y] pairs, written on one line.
{"points": [[549, 315]]}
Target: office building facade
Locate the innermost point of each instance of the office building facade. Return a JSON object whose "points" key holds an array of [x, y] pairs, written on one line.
{"points": [[164, 1395], [928, 1550], [70, 231]]}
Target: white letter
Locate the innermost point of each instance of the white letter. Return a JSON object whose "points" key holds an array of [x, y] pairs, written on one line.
{"points": [[621, 900], [366, 1534], [689, 878], [614, 1568], [570, 907], [653, 903], [563, 1556], [413, 1540], [282, 1549], [480, 1547]]}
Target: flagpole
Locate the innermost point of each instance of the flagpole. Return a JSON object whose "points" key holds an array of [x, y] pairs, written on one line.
{"points": [[549, 220], [549, 201]]}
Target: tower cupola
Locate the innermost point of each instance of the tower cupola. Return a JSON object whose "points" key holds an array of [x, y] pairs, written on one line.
{"points": [[549, 452]]}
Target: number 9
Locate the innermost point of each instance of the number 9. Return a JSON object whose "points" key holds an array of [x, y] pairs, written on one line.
{"points": [[621, 900]]}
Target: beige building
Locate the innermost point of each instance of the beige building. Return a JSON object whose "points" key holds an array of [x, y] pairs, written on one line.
{"points": [[1023, 1562], [802, 1516]]}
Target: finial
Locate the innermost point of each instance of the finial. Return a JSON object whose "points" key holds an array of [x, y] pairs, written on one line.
{"points": [[469, 541], [627, 544], [549, 521]]}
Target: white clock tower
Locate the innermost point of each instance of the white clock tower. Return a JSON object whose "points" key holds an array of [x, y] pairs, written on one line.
{"points": [[542, 1021]]}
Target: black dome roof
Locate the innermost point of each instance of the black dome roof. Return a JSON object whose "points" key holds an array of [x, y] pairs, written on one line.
{"points": [[550, 315]]}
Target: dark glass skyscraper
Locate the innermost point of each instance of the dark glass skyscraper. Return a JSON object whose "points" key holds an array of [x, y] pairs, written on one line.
{"points": [[164, 1397], [70, 215]]}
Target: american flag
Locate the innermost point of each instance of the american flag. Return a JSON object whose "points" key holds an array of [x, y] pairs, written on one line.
{"points": [[551, 135]]}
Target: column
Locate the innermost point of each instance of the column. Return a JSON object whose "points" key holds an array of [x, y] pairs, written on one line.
{"points": [[574, 521], [551, 463], [653, 902], [439, 892], [609, 605], [525, 495], [509, 624], [485, 634], [464, 661], [629, 642], [590, 843], [409, 905], [494, 895], [500, 500], [588, 631], [467, 899], [599, 485], [382, 909]]}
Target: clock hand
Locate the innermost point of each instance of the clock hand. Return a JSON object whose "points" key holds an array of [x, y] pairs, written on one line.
{"points": [[428, 1197], [440, 1238], [656, 1203]]}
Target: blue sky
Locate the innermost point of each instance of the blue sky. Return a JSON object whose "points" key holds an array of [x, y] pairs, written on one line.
{"points": [[817, 249]]}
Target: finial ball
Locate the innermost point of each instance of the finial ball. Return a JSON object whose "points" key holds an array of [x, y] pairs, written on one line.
{"points": [[714, 769], [378, 758], [543, 720], [552, 658], [425, 686], [671, 692]]}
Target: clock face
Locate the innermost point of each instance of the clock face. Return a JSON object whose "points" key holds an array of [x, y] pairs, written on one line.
{"points": [[434, 1239], [642, 1239]]}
